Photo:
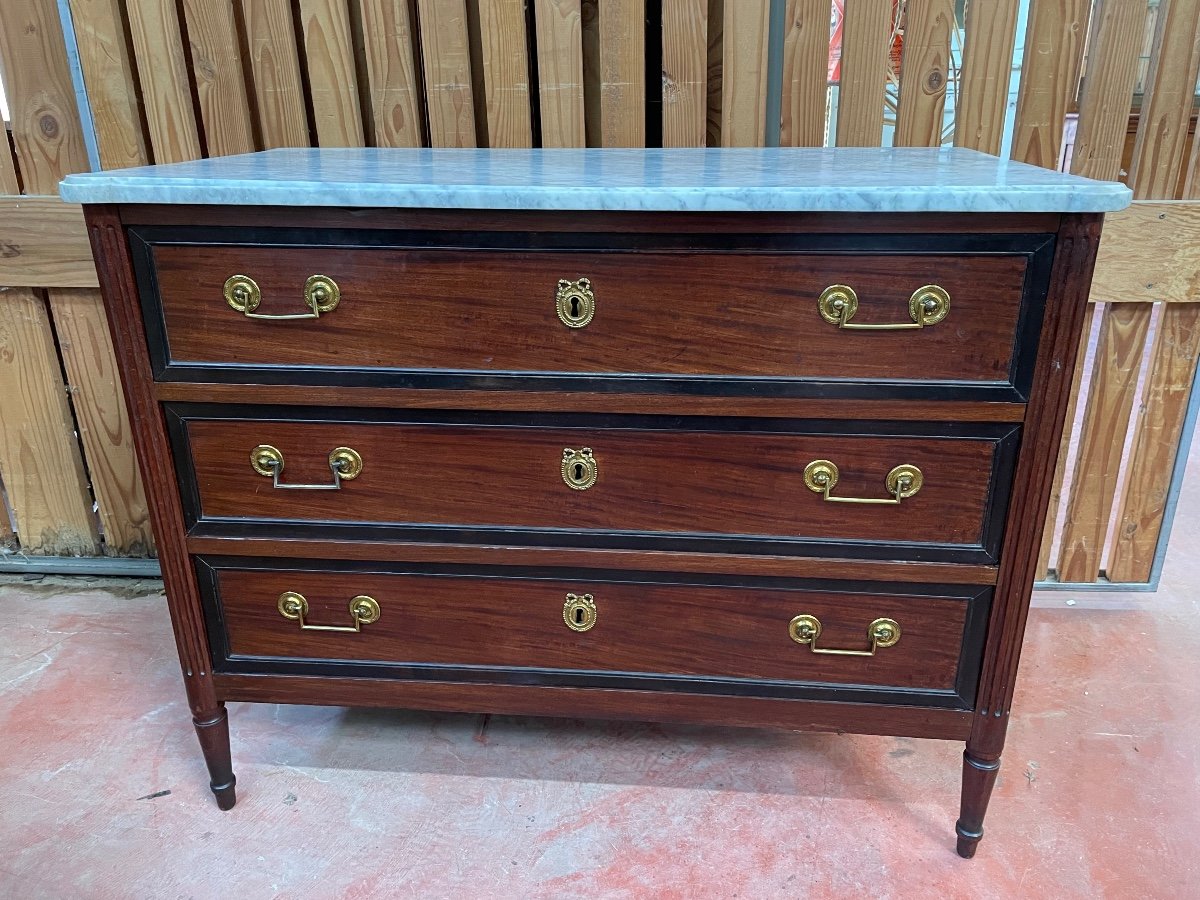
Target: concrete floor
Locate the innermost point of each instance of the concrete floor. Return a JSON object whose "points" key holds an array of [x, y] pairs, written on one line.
{"points": [[103, 791]]}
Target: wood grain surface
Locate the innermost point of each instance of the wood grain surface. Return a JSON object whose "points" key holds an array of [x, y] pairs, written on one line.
{"points": [[394, 88], [734, 632], [279, 92], [559, 32], [684, 66], [659, 313], [925, 73], [805, 74], [987, 66]]}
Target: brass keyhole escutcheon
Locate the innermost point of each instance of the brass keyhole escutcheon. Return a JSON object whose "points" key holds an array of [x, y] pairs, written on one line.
{"points": [[579, 612], [579, 470], [575, 302]]}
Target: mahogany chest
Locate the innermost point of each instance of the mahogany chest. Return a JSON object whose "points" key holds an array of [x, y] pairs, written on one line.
{"points": [[758, 438]]}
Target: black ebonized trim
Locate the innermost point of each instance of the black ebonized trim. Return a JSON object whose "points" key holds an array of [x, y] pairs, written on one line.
{"points": [[978, 600], [1037, 248], [986, 552]]}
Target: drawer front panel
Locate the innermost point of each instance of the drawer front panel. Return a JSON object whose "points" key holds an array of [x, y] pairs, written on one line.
{"points": [[419, 315], [430, 622], [648, 483]]}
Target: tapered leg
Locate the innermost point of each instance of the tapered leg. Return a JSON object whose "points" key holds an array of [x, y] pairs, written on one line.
{"points": [[979, 775], [213, 732]]}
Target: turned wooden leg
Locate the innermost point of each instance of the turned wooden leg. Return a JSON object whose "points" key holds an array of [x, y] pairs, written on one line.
{"points": [[979, 775], [213, 731]]}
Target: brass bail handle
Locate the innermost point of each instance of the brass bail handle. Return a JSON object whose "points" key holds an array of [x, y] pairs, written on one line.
{"points": [[928, 305], [902, 482], [344, 462], [364, 610], [805, 630], [321, 295]]}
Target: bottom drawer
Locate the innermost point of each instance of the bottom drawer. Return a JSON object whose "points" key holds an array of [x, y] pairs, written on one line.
{"points": [[915, 644]]}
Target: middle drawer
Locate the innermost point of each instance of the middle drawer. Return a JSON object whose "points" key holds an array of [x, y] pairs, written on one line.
{"points": [[881, 489]]}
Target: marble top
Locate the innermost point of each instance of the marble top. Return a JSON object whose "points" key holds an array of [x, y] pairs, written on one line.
{"points": [[840, 179]]}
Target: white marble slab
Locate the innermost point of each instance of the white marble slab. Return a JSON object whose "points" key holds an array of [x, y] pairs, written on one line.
{"points": [[675, 180]]}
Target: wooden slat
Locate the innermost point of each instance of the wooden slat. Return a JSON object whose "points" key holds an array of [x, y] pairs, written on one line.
{"points": [[44, 244], [1167, 106], [8, 540], [685, 72], [560, 72], [924, 73], [387, 33], [9, 183], [1060, 469], [275, 66], [1150, 252], [39, 455], [1053, 44], [163, 78], [864, 71], [1097, 465], [41, 98], [108, 74], [446, 53], [220, 81], [1117, 29], [1163, 411], [805, 73], [104, 427], [1157, 157], [716, 50], [622, 37], [505, 57], [332, 79], [744, 73], [982, 101]]}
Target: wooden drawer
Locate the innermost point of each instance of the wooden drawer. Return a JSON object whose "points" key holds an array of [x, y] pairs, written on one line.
{"points": [[668, 633], [699, 484], [662, 319]]}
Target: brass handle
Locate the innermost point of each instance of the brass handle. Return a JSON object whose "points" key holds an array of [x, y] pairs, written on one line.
{"points": [[579, 469], [928, 305], [363, 611], [579, 612], [344, 462], [575, 302], [881, 633], [321, 295], [904, 481]]}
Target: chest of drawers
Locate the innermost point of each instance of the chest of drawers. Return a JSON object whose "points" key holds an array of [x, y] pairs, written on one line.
{"points": [[759, 438]]}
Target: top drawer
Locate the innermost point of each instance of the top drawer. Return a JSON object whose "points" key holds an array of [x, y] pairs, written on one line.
{"points": [[917, 317]]}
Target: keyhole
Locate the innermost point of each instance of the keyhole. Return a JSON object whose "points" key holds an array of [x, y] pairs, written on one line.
{"points": [[579, 615], [578, 471], [574, 307]]}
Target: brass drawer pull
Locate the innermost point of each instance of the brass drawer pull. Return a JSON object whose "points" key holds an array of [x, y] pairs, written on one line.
{"points": [[575, 302], [579, 612], [903, 481], [321, 295], [928, 305], [579, 470], [363, 611], [344, 462], [881, 633]]}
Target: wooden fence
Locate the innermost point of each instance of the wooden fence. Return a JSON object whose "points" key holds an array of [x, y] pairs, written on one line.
{"points": [[172, 80]]}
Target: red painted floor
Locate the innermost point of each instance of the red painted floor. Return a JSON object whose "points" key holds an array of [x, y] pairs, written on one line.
{"points": [[1099, 795]]}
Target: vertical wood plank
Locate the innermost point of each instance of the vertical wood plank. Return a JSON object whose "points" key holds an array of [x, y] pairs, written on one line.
{"points": [[39, 456], [1154, 173], [104, 426], [9, 183], [559, 28], [8, 539], [1053, 44], [589, 21], [744, 73], [275, 65], [622, 35], [41, 99], [220, 81], [986, 70], [387, 31], [684, 76], [865, 32], [332, 79], [1123, 330], [446, 53], [716, 50], [805, 73], [108, 75], [505, 56], [924, 73], [163, 77]]}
